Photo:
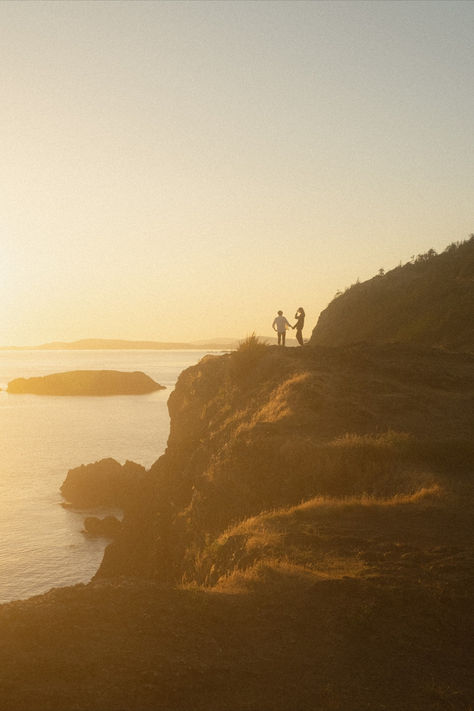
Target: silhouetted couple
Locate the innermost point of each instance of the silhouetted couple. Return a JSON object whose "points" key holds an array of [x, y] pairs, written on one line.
{"points": [[280, 325]]}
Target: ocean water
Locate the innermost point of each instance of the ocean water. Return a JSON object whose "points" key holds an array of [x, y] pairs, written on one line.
{"points": [[42, 544]]}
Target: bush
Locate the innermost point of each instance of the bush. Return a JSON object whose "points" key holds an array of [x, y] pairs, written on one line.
{"points": [[247, 355]]}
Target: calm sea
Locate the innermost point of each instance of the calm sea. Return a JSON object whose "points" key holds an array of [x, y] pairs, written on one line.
{"points": [[41, 437]]}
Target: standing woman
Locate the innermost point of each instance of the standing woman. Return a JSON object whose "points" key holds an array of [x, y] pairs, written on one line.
{"points": [[300, 314]]}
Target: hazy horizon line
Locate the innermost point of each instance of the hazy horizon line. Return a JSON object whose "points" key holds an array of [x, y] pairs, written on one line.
{"points": [[142, 344]]}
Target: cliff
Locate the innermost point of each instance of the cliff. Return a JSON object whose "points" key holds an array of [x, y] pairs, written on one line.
{"points": [[429, 301], [304, 542], [86, 382], [268, 428]]}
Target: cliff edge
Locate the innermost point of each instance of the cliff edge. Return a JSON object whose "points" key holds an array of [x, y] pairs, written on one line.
{"points": [[258, 430]]}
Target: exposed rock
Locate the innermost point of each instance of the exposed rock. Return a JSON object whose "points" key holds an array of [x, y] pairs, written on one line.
{"points": [[103, 483], [108, 527], [86, 382], [292, 425]]}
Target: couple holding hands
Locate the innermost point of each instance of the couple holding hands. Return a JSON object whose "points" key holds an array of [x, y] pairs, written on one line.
{"points": [[280, 325]]}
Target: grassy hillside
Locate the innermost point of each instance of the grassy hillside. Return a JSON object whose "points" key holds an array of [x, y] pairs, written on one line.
{"points": [[428, 301], [252, 431], [304, 543]]}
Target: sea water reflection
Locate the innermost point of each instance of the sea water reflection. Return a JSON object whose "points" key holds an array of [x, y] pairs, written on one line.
{"points": [[42, 544]]}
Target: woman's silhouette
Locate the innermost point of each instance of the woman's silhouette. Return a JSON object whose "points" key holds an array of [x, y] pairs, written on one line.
{"points": [[300, 314]]}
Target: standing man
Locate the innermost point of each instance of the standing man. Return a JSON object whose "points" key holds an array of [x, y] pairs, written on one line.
{"points": [[280, 324]]}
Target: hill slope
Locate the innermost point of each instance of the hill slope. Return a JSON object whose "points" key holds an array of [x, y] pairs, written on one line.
{"points": [[429, 301], [252, 432], [305, 542]]}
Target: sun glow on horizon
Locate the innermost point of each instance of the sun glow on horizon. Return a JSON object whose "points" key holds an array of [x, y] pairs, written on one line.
{"points": [[179, 172]]}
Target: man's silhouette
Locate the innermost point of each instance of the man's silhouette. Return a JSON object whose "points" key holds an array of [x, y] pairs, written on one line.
{"points": [[280, 324]]}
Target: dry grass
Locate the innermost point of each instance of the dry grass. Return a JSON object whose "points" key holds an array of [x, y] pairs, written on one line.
{"points": [[243, 360], [252, 344], [323, 537], [275, 575], [328, 553], [426, 493], [259, 536], [258, 523]]}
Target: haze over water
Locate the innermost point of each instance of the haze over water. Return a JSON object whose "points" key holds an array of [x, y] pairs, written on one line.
{"points": [[195, 166], [42, 544]]}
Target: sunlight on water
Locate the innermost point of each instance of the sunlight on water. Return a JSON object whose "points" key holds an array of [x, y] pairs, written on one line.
{"points": [[42, 544]]}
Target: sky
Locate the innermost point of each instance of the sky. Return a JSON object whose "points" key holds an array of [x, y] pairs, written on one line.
{"points": [[179, 171]]}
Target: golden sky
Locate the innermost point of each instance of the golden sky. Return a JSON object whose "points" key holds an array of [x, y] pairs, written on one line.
{"points": [[182, 170]]}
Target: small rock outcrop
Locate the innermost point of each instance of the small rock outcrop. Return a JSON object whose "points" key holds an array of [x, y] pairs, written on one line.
{"points": [[103, 483], [86, 382]]}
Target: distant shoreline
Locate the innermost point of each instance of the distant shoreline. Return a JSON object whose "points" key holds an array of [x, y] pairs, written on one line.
{"points": [[98, 344], [101, 345], [15, 349]]}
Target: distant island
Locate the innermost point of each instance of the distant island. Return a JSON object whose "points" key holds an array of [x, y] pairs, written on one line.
{"points": [[86, 382], [94, 344]]}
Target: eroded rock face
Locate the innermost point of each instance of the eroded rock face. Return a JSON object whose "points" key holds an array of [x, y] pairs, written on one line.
{"points": [[103, 483], [86, 382], [289, 426]]}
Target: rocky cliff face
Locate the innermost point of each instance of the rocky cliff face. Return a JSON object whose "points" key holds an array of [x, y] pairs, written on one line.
{"points": [[254, 432]]}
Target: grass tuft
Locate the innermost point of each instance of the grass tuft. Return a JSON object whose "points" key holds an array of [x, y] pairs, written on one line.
{"points": [[249, 353]]}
